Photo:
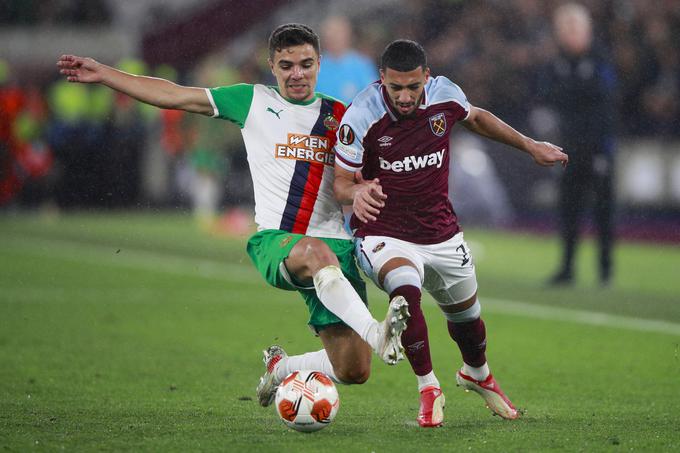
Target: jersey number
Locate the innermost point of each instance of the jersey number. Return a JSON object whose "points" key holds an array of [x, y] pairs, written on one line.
{"points": [[466, 254]]}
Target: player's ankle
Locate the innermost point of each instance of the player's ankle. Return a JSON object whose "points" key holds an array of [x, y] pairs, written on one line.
{"points": [[428, 380], [477, 373], [280, 370]]}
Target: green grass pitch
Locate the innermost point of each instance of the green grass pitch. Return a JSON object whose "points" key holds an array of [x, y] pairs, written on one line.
{"points": [[136, 332]]}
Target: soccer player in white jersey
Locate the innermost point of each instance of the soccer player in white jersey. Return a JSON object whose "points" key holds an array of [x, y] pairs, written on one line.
{"points": [[392, 166], [289, 133]]}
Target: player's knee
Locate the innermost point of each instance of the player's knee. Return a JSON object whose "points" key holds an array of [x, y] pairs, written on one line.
{"points": [[308, 257], [401, 276], [462, 312], [318, 254], [357, 374]]}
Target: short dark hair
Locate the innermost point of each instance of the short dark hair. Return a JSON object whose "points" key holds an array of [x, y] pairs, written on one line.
{"points": [[288, 35], [403, 55]]}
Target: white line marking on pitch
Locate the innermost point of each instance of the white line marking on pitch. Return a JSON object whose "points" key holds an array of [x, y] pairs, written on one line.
{"points": [[578, 316], [235, 272]]}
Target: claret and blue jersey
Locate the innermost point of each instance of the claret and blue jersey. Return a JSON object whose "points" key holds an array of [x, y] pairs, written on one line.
{"points": [[409, 155]]}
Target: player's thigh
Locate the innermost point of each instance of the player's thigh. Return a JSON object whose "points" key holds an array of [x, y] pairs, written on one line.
{"points": [[450, 275], [268, 251], [308, 256], [374, 252], [320, 316], [348, 353]]}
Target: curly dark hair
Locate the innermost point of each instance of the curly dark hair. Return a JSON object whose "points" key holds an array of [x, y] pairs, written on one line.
{"points": [[403, 55]]}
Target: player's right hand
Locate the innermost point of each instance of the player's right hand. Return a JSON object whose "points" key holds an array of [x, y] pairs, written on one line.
{"points": [[368, 198], [546, 154], [79, 69]]}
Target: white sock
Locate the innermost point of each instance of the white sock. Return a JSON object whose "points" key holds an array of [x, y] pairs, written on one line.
{"points": [[479, 373], [338, 295], [317, 361], [428, 380]]}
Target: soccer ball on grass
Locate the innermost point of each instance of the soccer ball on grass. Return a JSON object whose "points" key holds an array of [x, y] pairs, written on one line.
{"points": [[307, 401]]}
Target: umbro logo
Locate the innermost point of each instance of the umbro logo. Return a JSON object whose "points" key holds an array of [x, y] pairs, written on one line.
{"points": [[385, 140], [416, 346]]}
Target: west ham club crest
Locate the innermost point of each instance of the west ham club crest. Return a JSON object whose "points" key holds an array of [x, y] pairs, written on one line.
{"points": [[438, 124]]}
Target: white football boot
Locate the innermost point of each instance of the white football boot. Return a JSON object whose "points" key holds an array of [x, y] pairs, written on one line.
{"points": [[266, 389], [389, 344]]}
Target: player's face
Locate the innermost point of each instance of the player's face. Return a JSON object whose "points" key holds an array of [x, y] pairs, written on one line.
{"points": [[296, 69], [405, 89]]}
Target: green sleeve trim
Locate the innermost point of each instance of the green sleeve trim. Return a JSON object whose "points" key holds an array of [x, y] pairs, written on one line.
{"points": [[293, 101], [233, 102]]}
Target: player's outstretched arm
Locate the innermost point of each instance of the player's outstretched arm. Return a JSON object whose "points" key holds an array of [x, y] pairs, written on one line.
{"points": [[159, 92], [489, 125], [366, 197]]}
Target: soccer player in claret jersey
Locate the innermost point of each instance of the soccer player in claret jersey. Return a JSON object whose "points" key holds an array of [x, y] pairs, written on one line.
{"points": [[289, 133], [392, 166]]}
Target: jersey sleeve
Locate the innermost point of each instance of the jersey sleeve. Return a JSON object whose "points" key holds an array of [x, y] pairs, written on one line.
{"points": [[232, 102], [349, 148], [444, 90]]}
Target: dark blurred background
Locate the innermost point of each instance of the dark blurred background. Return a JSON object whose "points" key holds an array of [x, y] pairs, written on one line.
{"points": [[69, 146]]}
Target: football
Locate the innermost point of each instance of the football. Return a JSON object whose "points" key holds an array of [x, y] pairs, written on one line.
{"points": [[307, 401]]}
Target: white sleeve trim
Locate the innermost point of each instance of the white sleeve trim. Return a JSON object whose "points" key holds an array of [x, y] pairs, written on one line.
{"points": [[347, 167], [468, 110], [212, 102]]}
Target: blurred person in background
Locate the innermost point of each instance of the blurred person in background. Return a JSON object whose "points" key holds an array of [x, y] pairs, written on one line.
{"points": [[301, 245], [127, 132], [166, 143], [12, 99], [209, 147], [345, 71], [580, 85], [25, 157], [79, 142], [32, 155]]}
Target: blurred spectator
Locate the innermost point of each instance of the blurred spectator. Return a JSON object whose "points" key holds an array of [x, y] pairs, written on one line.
{"points": [[127, 131], [166, 143], [344, 71], [32, 155], [25, 158], [580, 85], [209, 147], [69, 135], [12, 100]]}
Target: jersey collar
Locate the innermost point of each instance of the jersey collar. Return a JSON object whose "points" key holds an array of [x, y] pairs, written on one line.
{"points": [[293, 101]]}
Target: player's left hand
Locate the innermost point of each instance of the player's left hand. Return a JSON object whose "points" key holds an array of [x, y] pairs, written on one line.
{"points": [[368, 198], [546, 154], [80, 69]]}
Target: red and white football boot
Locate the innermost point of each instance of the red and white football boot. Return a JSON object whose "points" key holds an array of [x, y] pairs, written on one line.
{"points": [[431, 413], [491, 392]]}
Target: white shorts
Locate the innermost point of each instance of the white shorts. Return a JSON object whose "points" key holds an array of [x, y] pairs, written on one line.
{"points": [[446, 269]]}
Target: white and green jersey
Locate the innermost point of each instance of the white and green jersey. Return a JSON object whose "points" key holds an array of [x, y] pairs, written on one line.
{"points": [[290, 154]]}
